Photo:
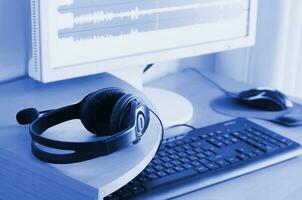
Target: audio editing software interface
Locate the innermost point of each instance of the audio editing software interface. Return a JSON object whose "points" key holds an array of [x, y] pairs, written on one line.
{"points": [[86, 28]]}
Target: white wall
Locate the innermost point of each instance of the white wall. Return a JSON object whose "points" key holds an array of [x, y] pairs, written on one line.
{"points": [[15, 40], [14, 20], [275, 61], [205, 62]]}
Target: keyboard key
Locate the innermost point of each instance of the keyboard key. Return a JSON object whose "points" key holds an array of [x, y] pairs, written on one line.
{"points": [[143, 179], [177, 156], [134, 182], [159, 167], [187, 166], [212, 140], [220, 144], [171, 145], [192, 157], [222, 162], [242, 150], [211, 165], [251, 154], [184, 160], [209, 153], [214, 158], [166, 159], [201, 169], [162, 153], [196, 163], [181, 154], [161, 173], [136, 189], [204, 161], [207, 147], [179, 142], [179, 168], [198, 150], [204, 136], [157, 161], [175, 162], [219, 138], [170, 179], [270, 148], [153, 176], [143, 174], [258, 152], [236, 134], [168, 165], [200, 155], [187, 147], [190, 152], [232, 159], [233, 139], [198, 143], [170, 151], [150, 170], [170, 171], [179, 149], [112, 197], [227, 142], [212, 134], [241, 156]]}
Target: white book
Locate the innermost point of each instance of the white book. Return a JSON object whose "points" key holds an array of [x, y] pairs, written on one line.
{"points": [[22, 173]]}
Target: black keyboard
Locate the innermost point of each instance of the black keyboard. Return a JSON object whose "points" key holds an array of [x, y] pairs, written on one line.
{"points": [[206, 152]]}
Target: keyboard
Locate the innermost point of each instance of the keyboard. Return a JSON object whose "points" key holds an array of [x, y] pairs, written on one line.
{"points": [[207, 156]]}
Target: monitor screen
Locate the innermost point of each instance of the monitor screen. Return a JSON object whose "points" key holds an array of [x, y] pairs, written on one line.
{"points": [[80, 37]]}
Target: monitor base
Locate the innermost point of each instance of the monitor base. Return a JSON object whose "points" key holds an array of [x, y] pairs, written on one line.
{"points": [[172, 108]]}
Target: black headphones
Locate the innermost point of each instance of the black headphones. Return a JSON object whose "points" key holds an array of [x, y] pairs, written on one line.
{"points": [[110, 112]]}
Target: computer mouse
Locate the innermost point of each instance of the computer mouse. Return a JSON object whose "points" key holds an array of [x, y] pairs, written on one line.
{"points": [[267, 99]]}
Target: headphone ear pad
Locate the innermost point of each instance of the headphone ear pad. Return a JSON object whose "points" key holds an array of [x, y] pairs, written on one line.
{"points": [[96, 110], [120, 115]]}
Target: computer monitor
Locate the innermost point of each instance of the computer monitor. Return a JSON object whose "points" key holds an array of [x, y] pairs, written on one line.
{"points": [[73, 38]]}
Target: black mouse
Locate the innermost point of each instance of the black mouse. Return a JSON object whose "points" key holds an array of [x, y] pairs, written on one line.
{"points": [[267, 99]]}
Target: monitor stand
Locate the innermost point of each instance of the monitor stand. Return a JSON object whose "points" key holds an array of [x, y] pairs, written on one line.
{"points": [[172, 108]]}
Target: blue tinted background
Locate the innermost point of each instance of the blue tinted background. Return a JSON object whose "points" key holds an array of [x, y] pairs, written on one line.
{"points": [[14, 38]]}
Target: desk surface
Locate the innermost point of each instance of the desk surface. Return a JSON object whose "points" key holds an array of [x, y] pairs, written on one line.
{"points": [[282, 181]]}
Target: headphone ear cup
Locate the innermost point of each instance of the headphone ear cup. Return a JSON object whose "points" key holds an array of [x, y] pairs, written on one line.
{"points": [[120, 115], [96, 110]]}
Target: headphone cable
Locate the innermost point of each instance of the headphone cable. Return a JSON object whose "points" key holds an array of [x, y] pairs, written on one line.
{"points": [[179, 125], [149, 66], [162, 140], [162, 128]]}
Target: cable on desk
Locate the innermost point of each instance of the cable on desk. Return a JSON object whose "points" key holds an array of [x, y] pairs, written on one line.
{"points": [[162, 129], [179, 125], [177, 136], [148, 67], [228, 93]]}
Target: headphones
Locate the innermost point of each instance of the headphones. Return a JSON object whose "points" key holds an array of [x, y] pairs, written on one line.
{"points": [[118, 119]]}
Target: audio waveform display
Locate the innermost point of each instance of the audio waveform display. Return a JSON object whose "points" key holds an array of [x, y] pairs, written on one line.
{"points": [[92, 19], [81, 34]]}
